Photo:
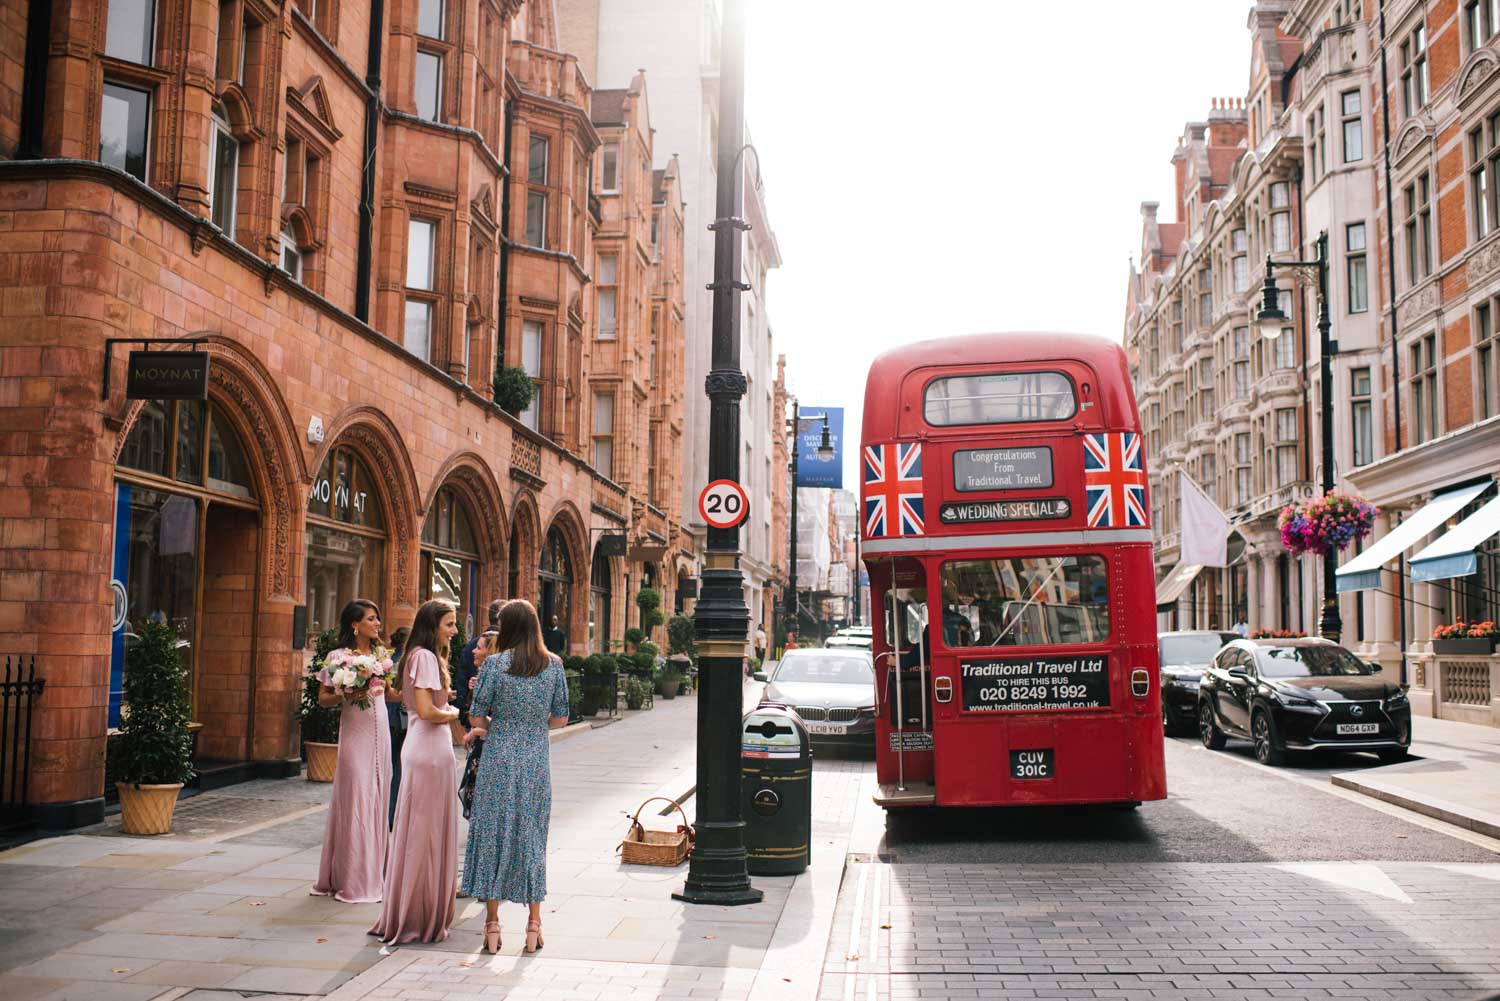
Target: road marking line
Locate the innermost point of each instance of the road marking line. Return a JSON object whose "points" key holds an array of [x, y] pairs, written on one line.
{"points": [[873, 966], [851, 956], [1363, 876]]}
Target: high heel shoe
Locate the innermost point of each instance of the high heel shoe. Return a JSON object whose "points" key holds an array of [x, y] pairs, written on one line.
{"points": [[492, 937], [534, 935]]}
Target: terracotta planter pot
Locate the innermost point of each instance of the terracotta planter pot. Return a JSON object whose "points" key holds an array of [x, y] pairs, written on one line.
{"points": [[147, 809], [322, 761]]}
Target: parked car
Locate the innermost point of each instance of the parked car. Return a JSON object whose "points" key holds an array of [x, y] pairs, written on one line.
{"points": [[1183, 656], [1302, 695], [833, 690], [862, 637]]}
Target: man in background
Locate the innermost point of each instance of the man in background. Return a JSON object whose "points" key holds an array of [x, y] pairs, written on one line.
{"points": [[465, 671], [555, 638]]}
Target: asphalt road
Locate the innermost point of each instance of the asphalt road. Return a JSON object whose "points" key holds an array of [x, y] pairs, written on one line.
{"points": [[1221, 806]]}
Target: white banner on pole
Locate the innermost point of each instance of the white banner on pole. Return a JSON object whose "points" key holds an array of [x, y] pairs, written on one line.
{"points": [[1205, 529]]}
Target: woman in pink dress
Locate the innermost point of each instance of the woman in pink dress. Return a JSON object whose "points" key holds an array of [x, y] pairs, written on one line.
{"points": [[423, 869], [354, 838]]}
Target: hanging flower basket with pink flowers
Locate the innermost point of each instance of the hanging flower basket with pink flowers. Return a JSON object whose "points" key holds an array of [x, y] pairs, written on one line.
{"points": [[1326, 524]]}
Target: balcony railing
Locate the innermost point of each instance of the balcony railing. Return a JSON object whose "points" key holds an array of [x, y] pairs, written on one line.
{"points": [[548, 73]]}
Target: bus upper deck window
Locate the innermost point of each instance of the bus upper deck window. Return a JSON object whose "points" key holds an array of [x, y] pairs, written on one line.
{"points": [[999, 398]]}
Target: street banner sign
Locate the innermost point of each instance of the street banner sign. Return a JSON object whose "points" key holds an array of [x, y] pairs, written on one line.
{"points": [[723, 504], [813, 471]]}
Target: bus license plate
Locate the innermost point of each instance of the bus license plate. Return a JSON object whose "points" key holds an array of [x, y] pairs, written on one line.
{"points": [[1032, 764], [1343, 728], [827, 729]]}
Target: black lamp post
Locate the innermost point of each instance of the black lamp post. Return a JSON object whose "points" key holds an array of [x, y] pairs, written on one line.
{"points": [[717, 873], [825, 451], [1271, 318]]}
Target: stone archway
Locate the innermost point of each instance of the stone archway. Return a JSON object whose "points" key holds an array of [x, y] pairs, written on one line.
{"points": [[468, 475], [569, 524], [524, 548], [370, 433]]}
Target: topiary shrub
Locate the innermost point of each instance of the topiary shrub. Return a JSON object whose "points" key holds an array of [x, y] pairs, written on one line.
{"points": [[320, 724], [680, 636], [513, 390], [648, 648], [154, 746], [633, 637]]}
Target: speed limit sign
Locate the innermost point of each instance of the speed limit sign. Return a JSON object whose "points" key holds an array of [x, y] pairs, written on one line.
{"points": [[723, 504]]}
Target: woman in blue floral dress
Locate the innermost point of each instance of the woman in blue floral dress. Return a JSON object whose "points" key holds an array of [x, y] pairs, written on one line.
{"points": [[521, 693]]}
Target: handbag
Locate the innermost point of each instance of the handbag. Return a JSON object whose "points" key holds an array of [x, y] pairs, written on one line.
{"points": [[471, 776]]}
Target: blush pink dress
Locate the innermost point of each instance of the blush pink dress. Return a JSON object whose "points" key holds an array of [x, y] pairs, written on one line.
{"points": [[354, 839], [422, 873]]}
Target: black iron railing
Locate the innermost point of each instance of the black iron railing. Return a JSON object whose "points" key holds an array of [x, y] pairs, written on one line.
{"points": [[19, 691]]}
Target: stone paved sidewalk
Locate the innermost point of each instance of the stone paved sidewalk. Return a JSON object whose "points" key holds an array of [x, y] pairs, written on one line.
{"points": [[1457, 779], [220, 908]]}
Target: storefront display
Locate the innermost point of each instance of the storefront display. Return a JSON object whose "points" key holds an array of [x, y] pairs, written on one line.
{"points": [[345, 540]]}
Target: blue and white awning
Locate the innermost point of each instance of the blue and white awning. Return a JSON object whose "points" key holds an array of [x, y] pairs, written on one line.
{"points": [[1454, 553], [1363, 571]]}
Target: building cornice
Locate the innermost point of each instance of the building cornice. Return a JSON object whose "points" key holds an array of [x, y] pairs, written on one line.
{"points": [[1420, 469]]}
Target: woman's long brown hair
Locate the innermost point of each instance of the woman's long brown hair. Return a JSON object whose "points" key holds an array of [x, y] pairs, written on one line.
{"points": [[424, 636], [521, 634]]}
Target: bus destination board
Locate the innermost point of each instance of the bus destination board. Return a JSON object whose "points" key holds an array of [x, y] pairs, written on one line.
{"points": [[1024, 468], [969, 512], [1010, 684]]}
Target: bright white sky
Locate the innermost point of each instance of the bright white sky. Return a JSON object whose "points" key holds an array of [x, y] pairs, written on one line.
{"points": [[966, 165]]}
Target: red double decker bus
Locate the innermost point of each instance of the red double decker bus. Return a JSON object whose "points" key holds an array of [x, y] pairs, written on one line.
{"points": [[1006, 530]]}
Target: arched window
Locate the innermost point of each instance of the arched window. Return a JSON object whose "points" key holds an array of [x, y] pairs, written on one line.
{"points": [[556, 577], [601, 598], [450, 556], [186, 520], [345, 539]]}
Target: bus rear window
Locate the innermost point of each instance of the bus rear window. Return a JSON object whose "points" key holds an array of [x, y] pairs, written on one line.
{"points": [[999, 398], [1025, 601]]}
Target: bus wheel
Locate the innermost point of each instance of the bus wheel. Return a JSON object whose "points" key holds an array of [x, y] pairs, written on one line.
{"points": [[1208, 730], [1268, 750]]}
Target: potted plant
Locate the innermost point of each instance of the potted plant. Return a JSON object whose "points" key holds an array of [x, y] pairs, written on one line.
{"points": [[681, 637], [668, 681], [513, 389], [684, 667], [320, 724], [633, 638], [635, 693], [1464, 638], [1325, 525], [648, 600], [154, 749]]}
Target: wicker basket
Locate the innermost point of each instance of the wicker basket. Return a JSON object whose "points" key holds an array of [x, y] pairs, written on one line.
{"points": [[668, 848]]}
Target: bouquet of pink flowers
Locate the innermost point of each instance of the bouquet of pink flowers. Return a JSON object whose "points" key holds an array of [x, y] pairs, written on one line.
{"points": [[351, 673], [1325, 524]]}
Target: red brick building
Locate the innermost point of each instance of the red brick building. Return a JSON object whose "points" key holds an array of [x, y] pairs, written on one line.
{"points": [[360, 223]]}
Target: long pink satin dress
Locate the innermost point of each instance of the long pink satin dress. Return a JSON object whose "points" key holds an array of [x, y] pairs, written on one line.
{"points": [[422, 872], [354, 839]]}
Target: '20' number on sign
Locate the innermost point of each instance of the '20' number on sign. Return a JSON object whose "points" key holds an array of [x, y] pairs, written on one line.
{"points": [[723, 504]]}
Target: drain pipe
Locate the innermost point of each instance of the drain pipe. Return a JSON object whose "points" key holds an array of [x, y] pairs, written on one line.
{"points": [[1390, 244], [504, 237], [366, 251]]}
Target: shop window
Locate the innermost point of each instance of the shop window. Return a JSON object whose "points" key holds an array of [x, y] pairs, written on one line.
{"points": [[190, 442], [345, 539], [130, 31], [555, 575], [124, 129], [601, 598], [450, 556]]}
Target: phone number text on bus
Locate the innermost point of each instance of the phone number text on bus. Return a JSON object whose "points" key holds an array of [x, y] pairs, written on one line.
{"points": [[1008, 684]]}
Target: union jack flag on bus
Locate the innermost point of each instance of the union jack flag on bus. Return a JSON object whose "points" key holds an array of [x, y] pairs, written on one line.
{"points": [[893, 490], [1114, 480]]}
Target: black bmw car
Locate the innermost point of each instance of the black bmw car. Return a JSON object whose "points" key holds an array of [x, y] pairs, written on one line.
{"points": [[833, 690], [1301, 695], [1184, 655]]}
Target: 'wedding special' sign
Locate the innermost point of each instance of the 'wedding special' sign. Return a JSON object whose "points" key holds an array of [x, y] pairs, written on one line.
{"points": [[1023, 468]]}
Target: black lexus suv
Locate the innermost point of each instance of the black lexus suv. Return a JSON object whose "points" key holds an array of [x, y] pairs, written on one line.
{"points": [[1301, 694]]}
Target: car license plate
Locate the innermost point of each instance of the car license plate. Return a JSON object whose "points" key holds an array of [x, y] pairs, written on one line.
{"points": [[827, 729], [1033, 763], [1344, 728]]}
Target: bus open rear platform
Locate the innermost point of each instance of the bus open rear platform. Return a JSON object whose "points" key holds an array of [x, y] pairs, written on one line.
{"points": [[915, 794]]}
